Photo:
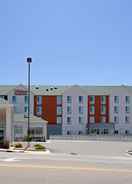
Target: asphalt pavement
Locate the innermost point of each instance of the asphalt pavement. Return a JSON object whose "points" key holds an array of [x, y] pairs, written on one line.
{"points": [[66, 166]]}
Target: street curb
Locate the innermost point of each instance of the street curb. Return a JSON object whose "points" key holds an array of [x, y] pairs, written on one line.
{"points": [[38, 152], [10, 151], [22, 151]]}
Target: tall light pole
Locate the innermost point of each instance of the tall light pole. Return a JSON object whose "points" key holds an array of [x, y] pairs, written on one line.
{"points": [[29, 61]]}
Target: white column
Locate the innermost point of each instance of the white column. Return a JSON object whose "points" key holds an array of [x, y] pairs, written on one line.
{"points": [[9, 123]]}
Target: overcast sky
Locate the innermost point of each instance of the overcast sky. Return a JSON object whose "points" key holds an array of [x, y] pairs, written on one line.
{"points": [[70, 41]]}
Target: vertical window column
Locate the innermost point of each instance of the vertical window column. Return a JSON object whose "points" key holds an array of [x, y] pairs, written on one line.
{"points": [[26, 104], [91, 109], [14, 101], [39, 105], [59, 109], [69, 109]]}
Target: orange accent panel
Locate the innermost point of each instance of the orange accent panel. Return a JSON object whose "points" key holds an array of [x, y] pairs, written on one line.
{"points": [[107, 108], [88, 109], [97, 108], [49, 109]]}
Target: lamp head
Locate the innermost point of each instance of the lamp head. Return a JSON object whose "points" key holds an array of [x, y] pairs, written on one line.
{"points": [[29, 60]]}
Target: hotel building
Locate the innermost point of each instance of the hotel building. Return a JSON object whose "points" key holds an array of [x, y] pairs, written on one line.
{"points": [[65, 110], [85, 109]]}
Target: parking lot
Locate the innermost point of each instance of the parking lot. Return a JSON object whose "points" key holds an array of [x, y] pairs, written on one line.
{"points": [[70, 162], [104, 148]]}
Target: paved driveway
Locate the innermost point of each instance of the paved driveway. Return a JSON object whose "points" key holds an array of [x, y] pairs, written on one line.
{"points": [[105, 148]]}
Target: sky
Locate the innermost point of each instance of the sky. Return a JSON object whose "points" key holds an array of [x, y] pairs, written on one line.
{"points": [[84, 42]]}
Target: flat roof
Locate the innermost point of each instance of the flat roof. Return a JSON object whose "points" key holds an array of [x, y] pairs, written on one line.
{"points": [[60, 89], [19, 117]]}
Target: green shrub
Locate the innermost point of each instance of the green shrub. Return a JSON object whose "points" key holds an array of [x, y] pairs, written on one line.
{"points": [[18, 145], [28, 138], [4, 144], [39, 147]]}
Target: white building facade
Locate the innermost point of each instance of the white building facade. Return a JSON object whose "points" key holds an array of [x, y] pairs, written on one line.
{"points": [[115, 117], [74, 111], [68, 110], [14, 117]]}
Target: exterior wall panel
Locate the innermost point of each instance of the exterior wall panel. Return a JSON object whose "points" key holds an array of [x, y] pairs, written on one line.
{"points": [[49, 109], [107, 109], [97, 109]]}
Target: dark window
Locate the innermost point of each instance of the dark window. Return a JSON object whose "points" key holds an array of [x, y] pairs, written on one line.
{"points": [[6, 97], [80, 99], [116, 131], [80, 132], [69, 99]]}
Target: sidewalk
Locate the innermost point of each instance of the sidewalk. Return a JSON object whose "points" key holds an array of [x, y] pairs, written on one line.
{"points": [[24, 151], [11, 150]]}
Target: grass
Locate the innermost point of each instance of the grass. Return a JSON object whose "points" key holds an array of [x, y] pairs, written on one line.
{"points": [[39, 147]]}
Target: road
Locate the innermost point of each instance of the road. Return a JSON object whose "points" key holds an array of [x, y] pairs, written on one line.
{"points": [[63, 168]]}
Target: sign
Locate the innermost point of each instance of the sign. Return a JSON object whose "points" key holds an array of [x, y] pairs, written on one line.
{"points": [[20, 92]]}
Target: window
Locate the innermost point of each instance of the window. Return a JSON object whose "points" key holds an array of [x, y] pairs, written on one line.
{"points": [[25, 109], [103, 119], [69, 99], [36, 131], [59, 100], [127, 119], [5, 97], [80, 120], [80, 109], [106, 131], [103, 109], [103, 99], [92, 99], [116, 132], [127, 99], [39, 100], [68, 120], [92, 109], [116, 99], [127, 109], [26, 99], [92, 119], [15, 109], [39, 110], [80, 132], [69, 110], [18, 130], [116, 119], [59, 120], [127, 132], [116, 109], [80, 99], [59, 110], [68, 132], [14, 99]]}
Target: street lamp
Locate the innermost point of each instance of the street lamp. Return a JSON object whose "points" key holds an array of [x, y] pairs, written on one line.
{"points": [[29, 61]]}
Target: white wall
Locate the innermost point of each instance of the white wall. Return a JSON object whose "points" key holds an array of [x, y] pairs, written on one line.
{"points": [[75, 127], [20, 102], [24, 126], [122, 126]]}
